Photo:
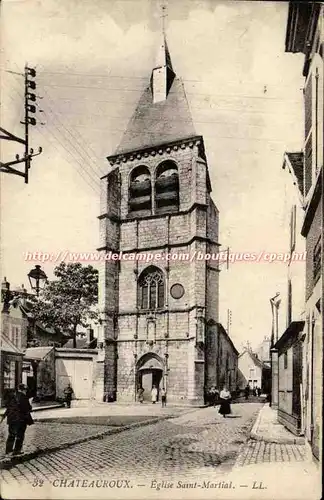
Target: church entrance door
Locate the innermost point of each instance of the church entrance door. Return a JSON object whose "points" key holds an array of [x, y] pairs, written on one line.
{"points": [[148, 378]]}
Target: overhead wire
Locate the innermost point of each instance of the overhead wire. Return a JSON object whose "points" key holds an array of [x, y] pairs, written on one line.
{"points": [[94, 180]]}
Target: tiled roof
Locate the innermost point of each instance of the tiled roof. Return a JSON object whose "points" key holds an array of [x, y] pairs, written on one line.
{"points": [[297, 163], [162, 122]]}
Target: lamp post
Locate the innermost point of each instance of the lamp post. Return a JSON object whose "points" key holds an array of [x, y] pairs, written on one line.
{"points": [[37, 279], [275, 303]]}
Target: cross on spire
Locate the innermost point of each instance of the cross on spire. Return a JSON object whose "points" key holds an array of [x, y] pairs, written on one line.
{"points": [[164, 14]]}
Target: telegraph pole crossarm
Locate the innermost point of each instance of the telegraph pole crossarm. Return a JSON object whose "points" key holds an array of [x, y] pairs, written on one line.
{"points": [[30, 97], [6, 167], [10, 137]]}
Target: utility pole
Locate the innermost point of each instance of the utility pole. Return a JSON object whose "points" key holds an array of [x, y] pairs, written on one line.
{"points": [[229, 320], [29, 120]]}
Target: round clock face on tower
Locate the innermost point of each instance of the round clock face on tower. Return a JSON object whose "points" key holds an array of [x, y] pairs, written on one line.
{"points": [[177, 291]]}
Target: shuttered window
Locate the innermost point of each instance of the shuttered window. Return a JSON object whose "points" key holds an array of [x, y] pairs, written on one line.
{"points": [[293, 229], [308, 164], [308, 106]]}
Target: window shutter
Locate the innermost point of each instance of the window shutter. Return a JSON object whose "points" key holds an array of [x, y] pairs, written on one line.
{"points": [[308, 94], [308, 164]]}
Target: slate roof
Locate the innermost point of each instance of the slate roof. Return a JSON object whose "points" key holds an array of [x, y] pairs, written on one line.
{"points": [[297, 164], [162, 122], [254, 358]]}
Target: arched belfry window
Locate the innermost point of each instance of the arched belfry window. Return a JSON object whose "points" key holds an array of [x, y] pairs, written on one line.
{"points": [[151, 289], [140, 190], [167, 188]]}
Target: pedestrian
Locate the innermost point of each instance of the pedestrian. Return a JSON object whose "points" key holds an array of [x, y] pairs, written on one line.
{"points": [[211, 395], [140, 394], [154, 394], [68, 393], [163, 397], [18, 417], [225, 406], [247, 392]]}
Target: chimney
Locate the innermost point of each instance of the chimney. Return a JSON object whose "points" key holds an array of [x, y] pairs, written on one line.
{"points": [[23, 294], [5, 295]]}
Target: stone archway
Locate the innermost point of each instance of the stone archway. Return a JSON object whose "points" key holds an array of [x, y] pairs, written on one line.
{"points": [[149, 373]]}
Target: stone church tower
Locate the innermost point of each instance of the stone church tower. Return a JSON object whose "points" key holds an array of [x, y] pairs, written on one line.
{"points": [[159, 304]]}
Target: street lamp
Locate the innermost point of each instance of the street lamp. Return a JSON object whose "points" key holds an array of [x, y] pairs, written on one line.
{"points": [[275, 303], [37, 279]]}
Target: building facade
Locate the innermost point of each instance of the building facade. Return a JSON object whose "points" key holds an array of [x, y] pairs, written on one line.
{"points": [[222, 360], [263, 351], [290, 346], [19, 333], [252, 371], [305, 34], [160, 304]]}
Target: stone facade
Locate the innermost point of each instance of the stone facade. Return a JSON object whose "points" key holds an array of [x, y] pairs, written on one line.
{"points": [[163, 232]]}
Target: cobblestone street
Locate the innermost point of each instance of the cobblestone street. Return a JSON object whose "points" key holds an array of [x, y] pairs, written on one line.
{"points": [[197, 440], [196, 446]]}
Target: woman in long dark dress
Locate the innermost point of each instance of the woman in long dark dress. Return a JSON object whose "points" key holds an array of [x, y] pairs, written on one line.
{"points": [[225, 406]]}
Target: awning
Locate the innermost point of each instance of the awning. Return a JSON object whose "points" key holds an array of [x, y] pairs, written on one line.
{"points": [[7, 346], [37, 353], [291, 334]]}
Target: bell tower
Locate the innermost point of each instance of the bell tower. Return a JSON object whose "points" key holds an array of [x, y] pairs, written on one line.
{"points": [[159, 302]]}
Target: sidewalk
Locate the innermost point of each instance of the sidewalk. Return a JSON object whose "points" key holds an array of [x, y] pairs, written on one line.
{"points": [[43, 405], [268, 429]]}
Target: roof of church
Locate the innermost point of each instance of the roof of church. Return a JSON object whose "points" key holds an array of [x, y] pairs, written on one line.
{"points": [[162, 122]]}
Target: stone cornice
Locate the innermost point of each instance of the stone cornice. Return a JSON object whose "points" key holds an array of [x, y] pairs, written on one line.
{"points": [[144, 312], [159, 149], [159, 247], [194, 206]]}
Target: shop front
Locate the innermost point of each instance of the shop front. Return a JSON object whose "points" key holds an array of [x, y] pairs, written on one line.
{"points": [[11, 361]]}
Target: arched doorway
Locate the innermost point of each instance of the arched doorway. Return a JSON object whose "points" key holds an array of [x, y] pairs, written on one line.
{"points": [[149, 373]]}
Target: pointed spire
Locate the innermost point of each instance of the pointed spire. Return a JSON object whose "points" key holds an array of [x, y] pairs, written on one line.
{"points": [[162, 74]]}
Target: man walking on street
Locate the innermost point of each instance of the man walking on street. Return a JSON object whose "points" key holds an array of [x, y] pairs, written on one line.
{"points": [[163, 397], [18, 417], [68, 393]]}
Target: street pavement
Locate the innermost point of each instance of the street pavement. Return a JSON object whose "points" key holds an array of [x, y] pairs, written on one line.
{"points": [[193, 448], [61, 427]]}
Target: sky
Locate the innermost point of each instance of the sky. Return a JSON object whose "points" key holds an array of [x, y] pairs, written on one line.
{"points": [[93, 60]]}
